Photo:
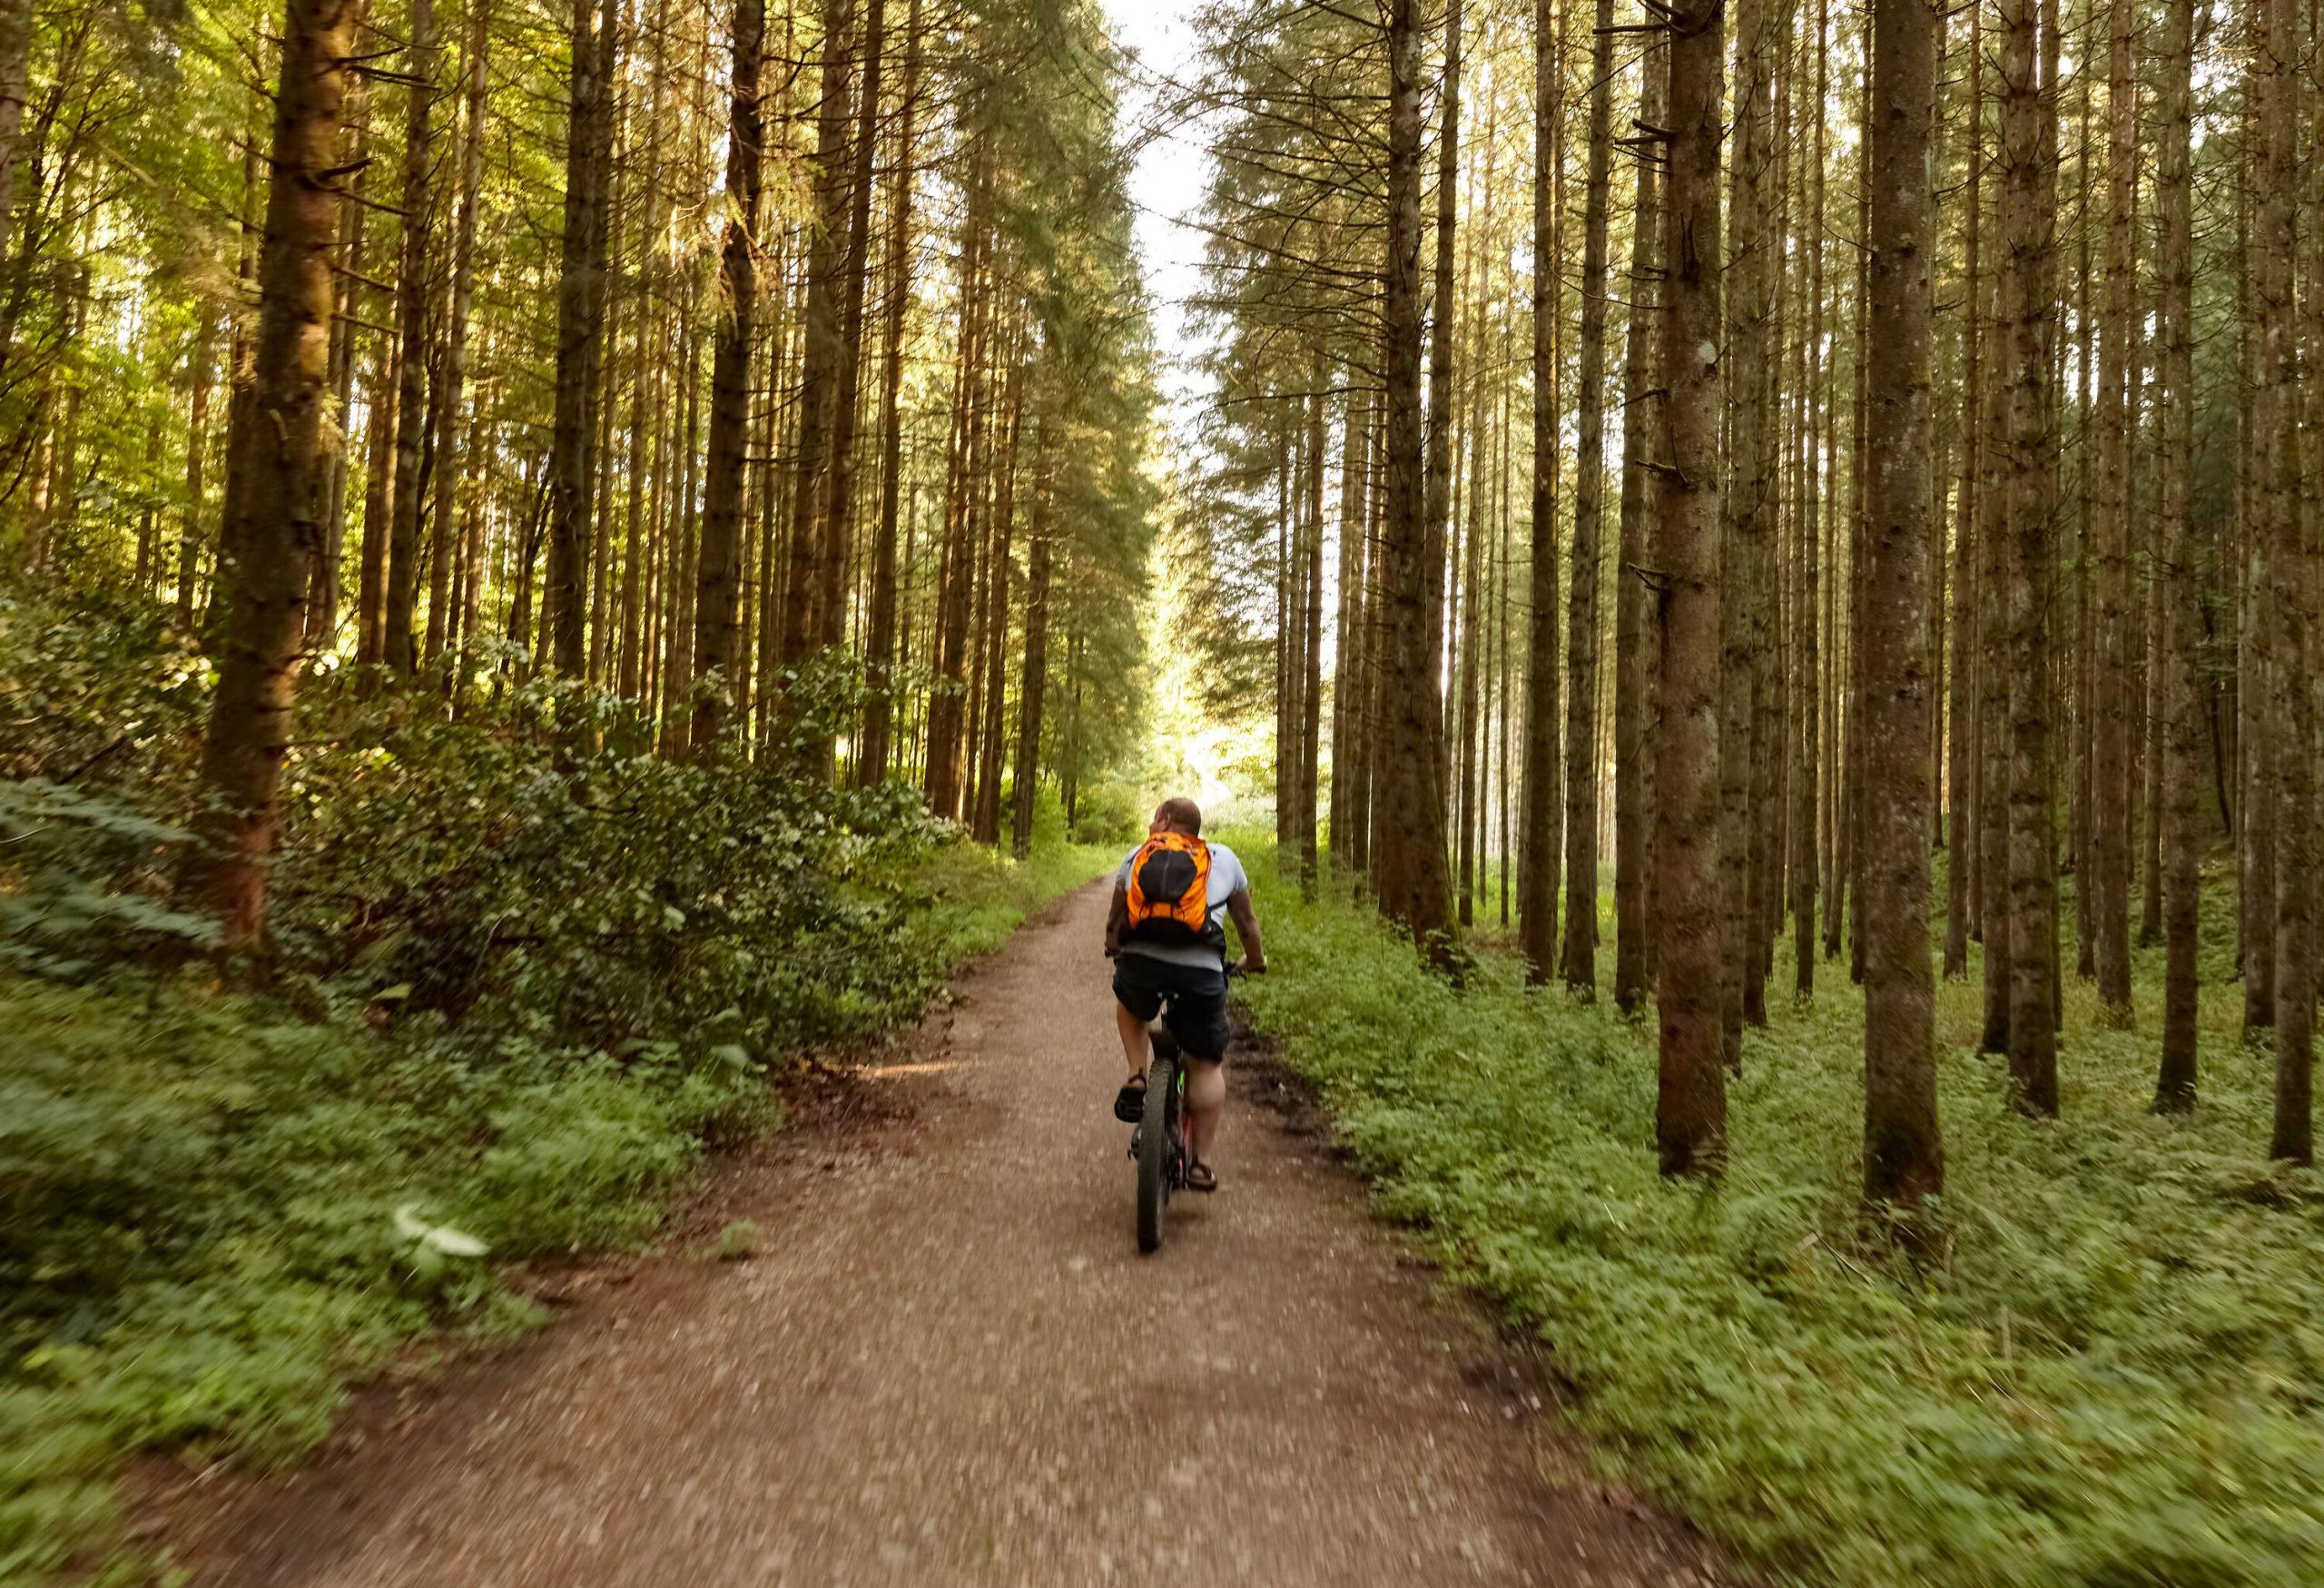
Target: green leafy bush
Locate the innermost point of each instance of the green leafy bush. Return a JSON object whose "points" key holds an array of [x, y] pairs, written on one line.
{"points": [[74, 862], [98, 702], [99, 689], [604, 901], [1109, 813], [2113, 1374]]}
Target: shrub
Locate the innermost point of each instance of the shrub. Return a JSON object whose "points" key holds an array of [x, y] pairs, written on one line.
{"points": [[1107, 814]]}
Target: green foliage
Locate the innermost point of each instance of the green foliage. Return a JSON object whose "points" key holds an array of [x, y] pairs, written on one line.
{"points": [[606, 902], [93, 690], [94, 684], [967, 900], [213, 1210], [66, 848], [2111, 1372], [1109, 813], [515, 989]]}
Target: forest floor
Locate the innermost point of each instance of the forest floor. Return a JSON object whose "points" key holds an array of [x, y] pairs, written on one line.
{"points": [[2105, 1368], [946, 1363]]}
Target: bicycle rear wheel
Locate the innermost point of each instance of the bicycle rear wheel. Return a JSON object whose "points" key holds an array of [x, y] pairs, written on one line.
{"points": [[1153, 1150]]}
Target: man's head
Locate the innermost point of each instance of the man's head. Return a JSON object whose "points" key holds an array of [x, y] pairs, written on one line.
{"points": [[1178, 814]]}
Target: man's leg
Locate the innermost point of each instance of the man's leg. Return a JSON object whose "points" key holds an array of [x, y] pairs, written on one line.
{"points": [[1206, 1101], [1134, 1039]]}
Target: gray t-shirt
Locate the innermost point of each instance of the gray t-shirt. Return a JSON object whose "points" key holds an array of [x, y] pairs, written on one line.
{"points": [[1226, 880]]}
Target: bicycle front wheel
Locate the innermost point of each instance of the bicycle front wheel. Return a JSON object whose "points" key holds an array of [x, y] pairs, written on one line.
{"points": [[1153, 1153]]}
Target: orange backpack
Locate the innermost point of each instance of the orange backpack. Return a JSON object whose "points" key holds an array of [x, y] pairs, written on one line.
{"points": [[1169, 891]]}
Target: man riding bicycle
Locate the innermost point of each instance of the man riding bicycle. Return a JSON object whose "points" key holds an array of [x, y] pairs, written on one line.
{"points": [[1167, 939]]}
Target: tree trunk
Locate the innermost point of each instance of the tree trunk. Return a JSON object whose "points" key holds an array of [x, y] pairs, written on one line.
{"points": [[684, 546], [2275, 65], [813, 510], [580, 323], [2150, 829], [1993, 668], [1506, 763], [2027, 222], [1443, 437], [1410, 864], [1311, 634], [271, 535], [949, 641], [200, 372], [717, 630], [1749, 507], [1859, 515], [2182, 766], [647, 445], [1032, 691], [1771, 699], [604, 381], [322, 603], [1469, 570], [1579, 963], [1372, 689], [1539, 855], [1967, 825], [452, 370], [995, 662], [141, 578], [1904, 1153], [467, 595], [378, 501], [1690, 1106], [2079, 680], [2108, 886], [771, 495], [628, 666], [879, 648], [1286, 638], [414, 263], [1807, 770], [840, 507], [1347, 671], [1635, 630], [15, 59], [2263, 418]]}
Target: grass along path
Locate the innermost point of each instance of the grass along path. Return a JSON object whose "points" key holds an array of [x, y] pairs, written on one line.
{"points": [[2113, 1376]]}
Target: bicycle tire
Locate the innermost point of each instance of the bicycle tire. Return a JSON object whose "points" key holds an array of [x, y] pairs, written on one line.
{"points": [[1154, 1154]]}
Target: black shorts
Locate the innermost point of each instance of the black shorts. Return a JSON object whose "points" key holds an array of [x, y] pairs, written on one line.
{"points": [[1191, 1000]]}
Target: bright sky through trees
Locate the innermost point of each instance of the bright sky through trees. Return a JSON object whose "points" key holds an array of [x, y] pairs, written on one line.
{"points": [[1167, 183]]}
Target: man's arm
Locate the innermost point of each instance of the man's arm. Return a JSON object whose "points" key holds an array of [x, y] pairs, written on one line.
{"points": [[1247, 927], [1117, 918]]}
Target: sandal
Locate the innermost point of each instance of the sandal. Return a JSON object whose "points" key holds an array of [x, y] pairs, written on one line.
{"points": [[1201, 1177], [1130, 1103]]}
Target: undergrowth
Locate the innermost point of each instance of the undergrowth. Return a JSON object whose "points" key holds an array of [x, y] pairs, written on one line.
{"points": [[513, 992], [2110, 1372]]}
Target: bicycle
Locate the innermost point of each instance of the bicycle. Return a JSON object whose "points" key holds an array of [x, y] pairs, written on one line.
{"points": [[1161, 1155]]}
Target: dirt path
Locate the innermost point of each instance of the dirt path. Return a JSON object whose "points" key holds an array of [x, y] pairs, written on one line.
{"points": [[947, 1365]]}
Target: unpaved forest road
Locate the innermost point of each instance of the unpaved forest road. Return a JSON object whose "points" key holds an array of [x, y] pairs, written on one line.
{"points": [[948, 1365]]}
